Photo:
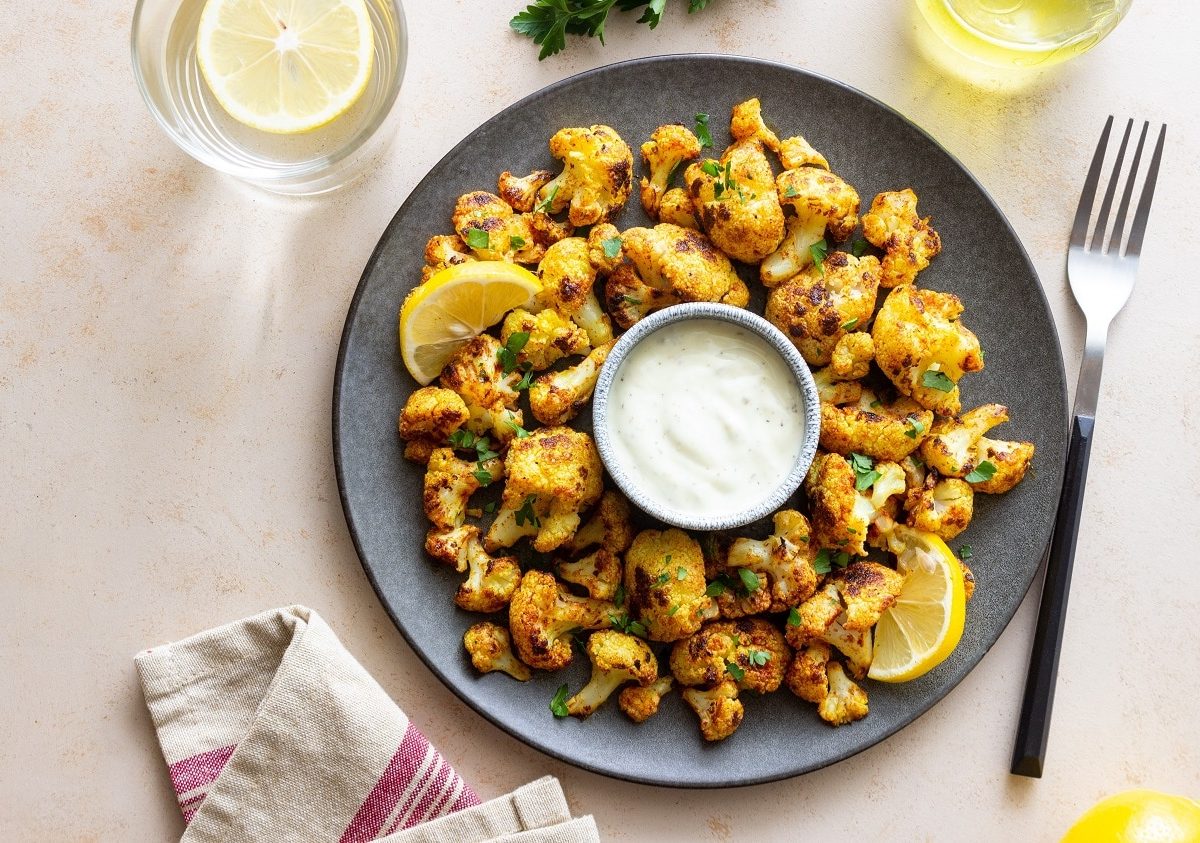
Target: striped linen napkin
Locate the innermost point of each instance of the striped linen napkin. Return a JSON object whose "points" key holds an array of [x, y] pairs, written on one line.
{"points": [[272, 731]]}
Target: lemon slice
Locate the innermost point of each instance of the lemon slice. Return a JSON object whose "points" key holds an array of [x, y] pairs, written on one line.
{"points": [[456, 304], [924, 626], [285, 66], [1138, 816]]}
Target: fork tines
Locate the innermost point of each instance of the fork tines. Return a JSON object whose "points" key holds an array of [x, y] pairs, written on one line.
{"points": [[1079, 232]]}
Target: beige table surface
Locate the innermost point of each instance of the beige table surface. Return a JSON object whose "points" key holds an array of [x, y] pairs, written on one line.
{"points": [[167, 341]]}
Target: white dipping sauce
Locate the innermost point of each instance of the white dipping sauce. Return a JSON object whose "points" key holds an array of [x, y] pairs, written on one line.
{"points": [[705, 417]]}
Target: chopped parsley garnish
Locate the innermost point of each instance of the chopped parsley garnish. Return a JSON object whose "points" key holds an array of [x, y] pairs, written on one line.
{"points": [[612, 247], [619, 596], [477, 238], [859, 247], [933, 379], [791, 192], [631, 300], [515, 242], [674, 609], [681, 573], [712, 168], [544, 206], [662, 578], [734, 670], [982, 473], [526, 513], [965, 552], [841, 559], [794, 617], [489, 507], [463, 439], [483, 476], [915, 428], [864, 471], [508, 355], [759, 657], [702, 132], [818, 251], [849, 324], [876, 404], [525, 382], [517, 429], [715, 589], [749, 580], [626, 624], [823, 563], [558, 705]]}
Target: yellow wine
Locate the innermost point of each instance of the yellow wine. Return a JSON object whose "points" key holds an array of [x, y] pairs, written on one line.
{"points": [[1022, 33]]}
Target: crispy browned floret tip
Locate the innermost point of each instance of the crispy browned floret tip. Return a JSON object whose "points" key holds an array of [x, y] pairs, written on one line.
{"points": [[908, 241], [821, 305], [719, 709], [490, 648], [597, 175], [641, 703], [669, 147], [429, 416], [521, 193]]}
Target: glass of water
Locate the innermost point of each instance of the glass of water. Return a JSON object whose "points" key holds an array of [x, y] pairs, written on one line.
{"points": [[168, 74]]}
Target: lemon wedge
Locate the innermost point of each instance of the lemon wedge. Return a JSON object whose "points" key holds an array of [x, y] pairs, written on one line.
{"points": [[924, 626], [1138, 816], [456, 304], [285, 66]]}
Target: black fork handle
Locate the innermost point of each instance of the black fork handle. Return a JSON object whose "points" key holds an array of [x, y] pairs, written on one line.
{"points": [[1033, 728]]}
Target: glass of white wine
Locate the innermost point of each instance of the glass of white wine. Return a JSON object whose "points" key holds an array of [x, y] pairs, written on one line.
{"points": [[169, 74], [1022, 34]]}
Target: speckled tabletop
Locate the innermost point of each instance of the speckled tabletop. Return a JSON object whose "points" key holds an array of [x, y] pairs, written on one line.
{"points": [[167, 340]]}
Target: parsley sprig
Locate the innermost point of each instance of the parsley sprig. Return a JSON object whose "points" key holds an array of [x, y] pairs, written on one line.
{"points": [[548, 22], [864, 471], [818, 251], [558, 705], [981, 473], [702, 131], [934, 379], [465, 440]]}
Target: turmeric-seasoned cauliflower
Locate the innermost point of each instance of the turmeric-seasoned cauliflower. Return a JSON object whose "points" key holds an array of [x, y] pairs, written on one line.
{"points": [[820, 618], [746, 123], [640, 702], [719, 709], [735, 197], [568, 278], [841, 513], [923, 348], [443, 250], [813, 676], [819, 306], [553, 474], [449, 484], [866, 589], [520, 192], [608, 526], [599, 573], [616, 658], [552, 337], [677, 208], [940, 505], [669, 146], [883, 431], [823, 203], [490, 581], [957, 447], [664, 581], [490, 648], [845, 702], [908, 242], [429, 416], [784, 558], [751, 651], [485, 219], [796, 152], [597, 175], [667, 265], [852, 355], [555, 397], [605, 248], [805, 675], [543, 617], [833, 388], [475, 373]]}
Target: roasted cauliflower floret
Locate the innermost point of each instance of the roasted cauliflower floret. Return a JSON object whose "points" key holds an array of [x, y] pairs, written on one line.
{"points": [[599, 573], [820, 618], [640, 702], [490, 582], [552, 337], [957, 447], [842, 513], [746, 123], [609, 526], [845, 702], [923, 348], [784, 558], [553, 474], [867, 590], [605, 247], [475, 373], [805, 676], [556, 396], [796, 152], [741, 602], [449, 484], [490, 647], [908, 241], [519, 193], [750, 651], [667, 265], [719, 709], [490, 228], [664, 580], [940, 505], [852, 355], [616, 658], [677, 208], [832, 388], [543, 617], [443, 250], [429, 416], [883, 431], [666, 150], [818, 307], [597, 175], [823, 203], [568, 277]]}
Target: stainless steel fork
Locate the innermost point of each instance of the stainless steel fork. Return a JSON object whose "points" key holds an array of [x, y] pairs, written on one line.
{"points": [[1101, 276]]}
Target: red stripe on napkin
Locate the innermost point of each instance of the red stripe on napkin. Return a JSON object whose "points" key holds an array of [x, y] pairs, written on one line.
{"points": [[192, 776]]}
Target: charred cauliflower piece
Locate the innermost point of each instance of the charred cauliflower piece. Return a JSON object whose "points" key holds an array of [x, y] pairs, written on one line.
{"points": [[796, 152], [908, 242], [429, 416], [568, 277], [784, 559], [822, 202], [519, 193], [735, 197], [746, 123], [806, 676], [552, 337], [820, 619], [818, 307], [883, 431], [616, 658], [852, 355], [543, 616], [601, 241], [521, 238], [750, 651], [556, 396], [597, 175], [443, 250], [923, 348], [957, 447], [449, 484], [867, 590], [936, 504], [490, 648], [668, 147], [719, 709], [677, 208], [599, 573], [667, 265], [641, 702], [490, 582], [553, 474], [664, 579], [841, 513], [609, 526], [475, 373], [845, 702]]}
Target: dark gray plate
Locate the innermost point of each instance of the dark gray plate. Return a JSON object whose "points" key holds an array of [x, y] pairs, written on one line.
{"points": [[873, 148]]}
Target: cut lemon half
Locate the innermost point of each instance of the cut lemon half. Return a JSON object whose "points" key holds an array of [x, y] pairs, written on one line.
{"points": [[456, 304], [285, 66], [924, 626]]}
